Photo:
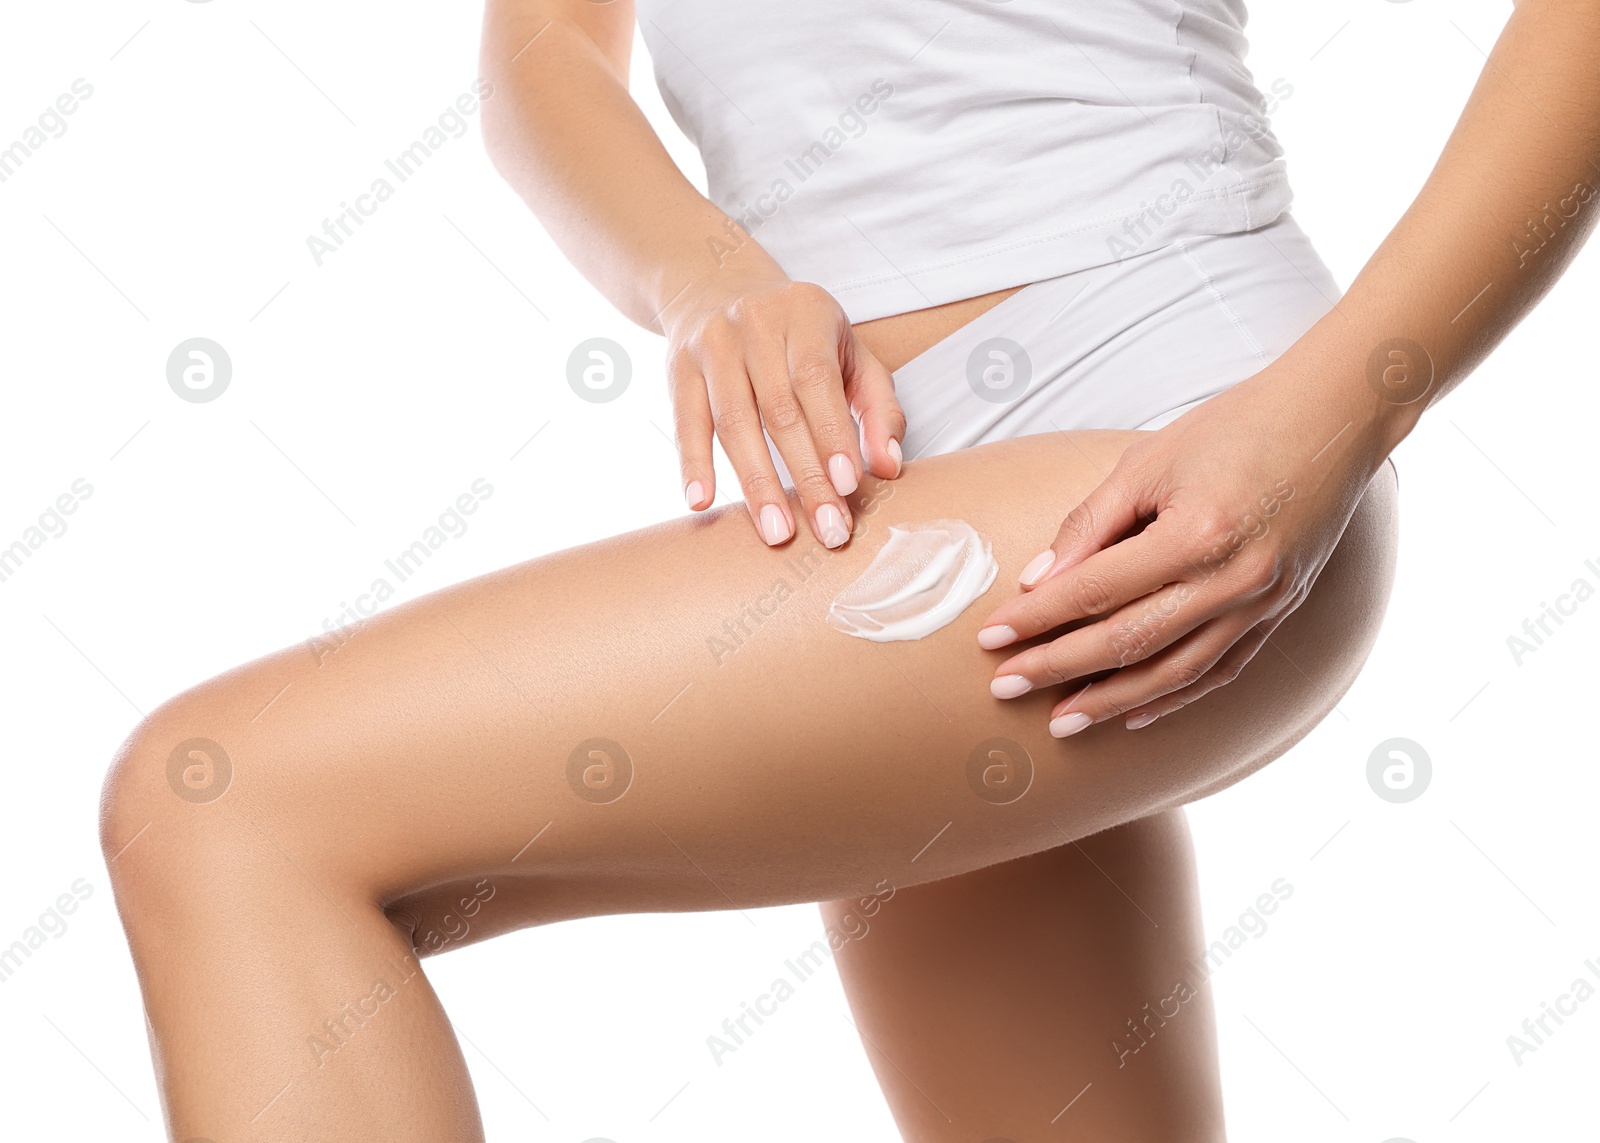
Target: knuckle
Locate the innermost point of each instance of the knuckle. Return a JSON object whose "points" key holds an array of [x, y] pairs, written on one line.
{"points": [[716, 338], [1090, 593], [1057, 661], [760, 486], [830, 436], [687, 420], [1183, 673], [1131, 641], [828, 431], [783, 413], [680, 363], [690, 437], [1217, 529], [1029, 616], [1114, 706], [1079, 524], [1136, 462], [812, 373], [1135, 455], [1259, 570], [733, 422], [745, 311], [812, 485], [809, 294]]}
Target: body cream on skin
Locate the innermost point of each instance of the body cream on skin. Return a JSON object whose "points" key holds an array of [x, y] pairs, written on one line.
{"points": [[921, 579]]}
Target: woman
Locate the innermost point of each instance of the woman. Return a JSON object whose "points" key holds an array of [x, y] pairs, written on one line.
{"points": [[680, 719]]}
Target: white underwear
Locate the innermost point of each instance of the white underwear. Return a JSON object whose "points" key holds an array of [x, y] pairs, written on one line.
{"points": [[1128, 345]]}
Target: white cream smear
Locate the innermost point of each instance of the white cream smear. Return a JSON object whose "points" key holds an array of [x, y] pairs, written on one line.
{"points": [[920, 580]]}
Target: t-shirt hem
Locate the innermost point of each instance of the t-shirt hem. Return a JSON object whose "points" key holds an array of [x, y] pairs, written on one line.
{"points": [[1023, 260]]}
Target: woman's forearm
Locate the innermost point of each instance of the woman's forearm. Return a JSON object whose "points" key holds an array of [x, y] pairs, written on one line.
{"points": [[1508, 204], [566, 134], [751, 356]]}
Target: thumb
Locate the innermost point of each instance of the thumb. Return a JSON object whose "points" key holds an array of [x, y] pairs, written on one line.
{"points": [[1102, 518], [869, 388]]}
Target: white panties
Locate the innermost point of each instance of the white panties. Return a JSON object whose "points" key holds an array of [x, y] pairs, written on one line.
{"points": [[1128, 345]]}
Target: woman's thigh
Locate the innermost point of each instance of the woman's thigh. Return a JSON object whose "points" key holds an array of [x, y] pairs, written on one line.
{"points": [[664, 721], [991, 986]]}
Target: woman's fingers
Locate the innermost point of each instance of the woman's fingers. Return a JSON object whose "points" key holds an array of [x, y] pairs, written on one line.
{"points": [[692, 427], [870, 397], [1106, 581], [1194, 661], [784, 416], [779, 360], [819, 385], [1142, 713], [1100, 520], [1130, 634], [738, 426]]}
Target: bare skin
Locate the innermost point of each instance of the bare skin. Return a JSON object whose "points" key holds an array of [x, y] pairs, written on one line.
{"points": [[1062, 994], [896, 340], [414, 765]]}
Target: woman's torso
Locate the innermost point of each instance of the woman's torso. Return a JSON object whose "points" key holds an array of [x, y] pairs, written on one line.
{"points": [[908, 156]]}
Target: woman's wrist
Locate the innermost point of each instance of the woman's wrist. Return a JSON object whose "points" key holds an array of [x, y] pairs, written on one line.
{"points": [[729, 263], [1364, 390]]}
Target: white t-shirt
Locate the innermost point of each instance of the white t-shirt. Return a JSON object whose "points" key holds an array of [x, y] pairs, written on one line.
{"points": [[903, 155]]}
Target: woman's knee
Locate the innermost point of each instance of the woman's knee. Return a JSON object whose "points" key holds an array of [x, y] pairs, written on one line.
{"points": [[177, 828]]}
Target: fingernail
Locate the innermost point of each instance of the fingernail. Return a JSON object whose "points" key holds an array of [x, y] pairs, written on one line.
{"points": [[1036, 568], [694, 493], [842, 473], [830, 526], [774, 524], [894, 451], [1135, 721], [999, 635], [1068, 724], [1009, 686]]}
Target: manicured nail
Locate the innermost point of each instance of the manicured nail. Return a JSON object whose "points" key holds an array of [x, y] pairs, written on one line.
{"points": [[774, 524], [842, 473], [694, 493], [999, 635], [1069, 724], [1036, 568], [1135, 721], [830, 526], [894, 452], [1009, 686]]}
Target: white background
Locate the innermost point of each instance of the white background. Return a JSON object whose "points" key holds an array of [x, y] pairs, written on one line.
{"points": [[368, 393]]}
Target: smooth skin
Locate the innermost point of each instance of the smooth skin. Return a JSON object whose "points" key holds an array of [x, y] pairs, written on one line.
{"points": [[1069, 977], [427, 764]]}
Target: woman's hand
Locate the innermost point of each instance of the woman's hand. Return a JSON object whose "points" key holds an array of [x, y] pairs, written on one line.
{"points": [[747, 352], [1243, 499]]}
